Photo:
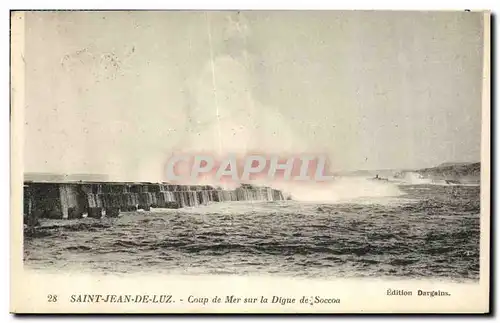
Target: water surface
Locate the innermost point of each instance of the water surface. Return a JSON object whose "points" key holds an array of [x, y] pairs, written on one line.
{"points": [[431, 231]]}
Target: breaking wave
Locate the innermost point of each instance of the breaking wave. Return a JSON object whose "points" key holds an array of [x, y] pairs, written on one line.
{"points": [[415, 179], [343, 189]]}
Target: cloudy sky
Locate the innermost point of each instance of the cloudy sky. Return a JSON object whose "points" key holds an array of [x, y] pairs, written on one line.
{"points": [[118, 92]]}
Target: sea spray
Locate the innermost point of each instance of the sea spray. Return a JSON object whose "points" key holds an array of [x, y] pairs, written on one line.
{"points": [[341, 189], [415, 179]]}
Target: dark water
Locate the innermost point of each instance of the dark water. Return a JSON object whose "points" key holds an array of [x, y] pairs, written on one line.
{"points": [[429, 232]]}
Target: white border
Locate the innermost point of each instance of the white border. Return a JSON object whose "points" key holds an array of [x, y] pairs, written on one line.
{"points": [[257, 4]]}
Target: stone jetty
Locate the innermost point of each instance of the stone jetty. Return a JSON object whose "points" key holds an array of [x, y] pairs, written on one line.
{"points": [[73, 200]]}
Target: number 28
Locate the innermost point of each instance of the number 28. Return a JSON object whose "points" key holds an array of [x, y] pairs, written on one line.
{"points": [[51, 298]]}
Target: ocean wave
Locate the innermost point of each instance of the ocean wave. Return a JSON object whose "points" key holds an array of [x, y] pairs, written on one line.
{"points": [[427, 233]]}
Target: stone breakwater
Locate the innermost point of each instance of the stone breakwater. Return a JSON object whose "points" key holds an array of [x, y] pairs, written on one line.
{"points": [[78, 200]]}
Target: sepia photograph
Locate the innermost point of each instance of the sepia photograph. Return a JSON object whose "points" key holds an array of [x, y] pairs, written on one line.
{"points": [[263, 147]]}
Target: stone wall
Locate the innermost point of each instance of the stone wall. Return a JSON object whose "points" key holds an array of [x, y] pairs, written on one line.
{"points": [[73, 200]]}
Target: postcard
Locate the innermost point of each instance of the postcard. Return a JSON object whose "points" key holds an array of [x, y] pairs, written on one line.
{"points": [[250, 161]]}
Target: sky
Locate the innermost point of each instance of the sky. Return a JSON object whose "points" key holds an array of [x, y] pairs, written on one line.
{"points": [[118, 93]]}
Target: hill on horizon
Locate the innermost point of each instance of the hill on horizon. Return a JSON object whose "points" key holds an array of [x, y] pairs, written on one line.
{"points": [[457, 171], [455, 164]]}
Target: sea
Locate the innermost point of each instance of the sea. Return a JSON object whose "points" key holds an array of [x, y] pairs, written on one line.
{"points": [[424, 231]]}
